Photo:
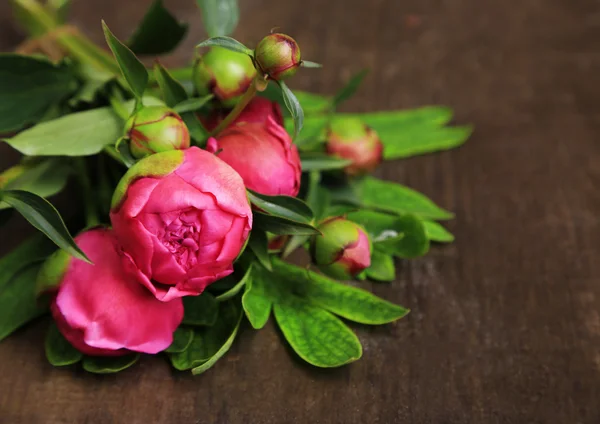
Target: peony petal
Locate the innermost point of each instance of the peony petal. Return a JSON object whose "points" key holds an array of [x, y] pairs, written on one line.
{"points": [[108, 306]]}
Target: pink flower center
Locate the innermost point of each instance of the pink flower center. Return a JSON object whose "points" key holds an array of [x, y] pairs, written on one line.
{"points": [[182, 238]]}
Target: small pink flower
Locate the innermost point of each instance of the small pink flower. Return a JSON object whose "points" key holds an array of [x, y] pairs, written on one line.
{"points": [[263, 154], [182, 219], [101, 309]]}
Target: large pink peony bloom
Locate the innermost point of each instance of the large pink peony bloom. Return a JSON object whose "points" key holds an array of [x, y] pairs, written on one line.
{"points": [[263, 154], [101, 309], [182, 219]]}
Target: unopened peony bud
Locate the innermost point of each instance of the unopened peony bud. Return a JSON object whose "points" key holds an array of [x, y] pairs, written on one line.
{"points": [[223, 73], [342, 250], [350, 138], [278, 56], [155, 129]]}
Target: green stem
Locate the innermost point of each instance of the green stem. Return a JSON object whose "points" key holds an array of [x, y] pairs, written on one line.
{"points": [[118, 107], [91, 215], [248, 95]]}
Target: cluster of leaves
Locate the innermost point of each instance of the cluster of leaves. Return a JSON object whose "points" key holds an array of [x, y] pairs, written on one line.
{"points": [[57, 113]]}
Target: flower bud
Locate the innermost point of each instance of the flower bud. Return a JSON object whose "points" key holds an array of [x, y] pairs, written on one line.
{"points": [[350, 138], [342, 250], [278, 56], [223, 73], [156, 129], [263, 154]]}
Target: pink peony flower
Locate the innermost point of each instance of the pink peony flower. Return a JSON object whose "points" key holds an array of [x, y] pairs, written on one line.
{"points": [[102, 310], [257, 111], [263, 154], [182, 219]]}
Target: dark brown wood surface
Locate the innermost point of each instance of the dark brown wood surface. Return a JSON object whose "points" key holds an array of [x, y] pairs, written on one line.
{"points": [[505, 322]]}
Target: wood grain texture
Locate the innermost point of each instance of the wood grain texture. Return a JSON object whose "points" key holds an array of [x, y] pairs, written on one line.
{"points": [[505, 322]]}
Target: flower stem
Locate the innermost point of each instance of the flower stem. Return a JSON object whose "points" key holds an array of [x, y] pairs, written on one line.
{"points": [[248, 95]]}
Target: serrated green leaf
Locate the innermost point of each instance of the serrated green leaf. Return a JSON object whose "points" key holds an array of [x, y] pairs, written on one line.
{"points": [[44, 177], [437, 233], [192, 105], [346, 301], [316, 335], [182, 338], [282, 226], [42, 215], [133, 70], [18, 303], [200, 310], [77, 134], [59, 351], [227, 43], [220, 17], [208, 341], [396, 198], [158, 33], [293, 106], [259, 245], [109, 364], [287, 207], [411, 240], [232, 292], [317, 161], [349, 89], [382, 267], [256, 301], [29, 87]]}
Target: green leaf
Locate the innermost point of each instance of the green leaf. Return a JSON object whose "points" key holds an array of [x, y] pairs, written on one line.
{"points": [[220, 17], [18, 303], [77, 134], [293, 106], [294, 243], [192, 105], [172, 91], [317, 197], [407, 142], [437, 233], [309, 64], [350, 88], [374, 222], [259, 245], [158, 33], [311, 103], [232, 292], [42, 215], [221, 351], [391, 197], [182, 338], [227, 43], [382, 267], [346, 301], [29, 86], [282, 226], [133, 70], [317, 161], [316, 335], [109, 364], [208, 341], [34, 249], [44, 177], [288, 207], [410, 241], [200, 310], [256, 301], [59, 351]]}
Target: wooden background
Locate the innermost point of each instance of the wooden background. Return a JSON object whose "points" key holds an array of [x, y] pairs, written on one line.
{"points": [[505, 323]]}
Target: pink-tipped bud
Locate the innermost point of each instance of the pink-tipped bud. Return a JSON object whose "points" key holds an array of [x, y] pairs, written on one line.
{"points": [[278, 56], [350, 138]]}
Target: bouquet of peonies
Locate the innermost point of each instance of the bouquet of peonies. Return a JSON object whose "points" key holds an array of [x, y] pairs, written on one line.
{"points": [[195, 184]]}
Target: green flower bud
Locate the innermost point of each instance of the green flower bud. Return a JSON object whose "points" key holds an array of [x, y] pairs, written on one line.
{"points": [[342, 250], [223, 73], [156, 129], [278, 56], [350, 138]]}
